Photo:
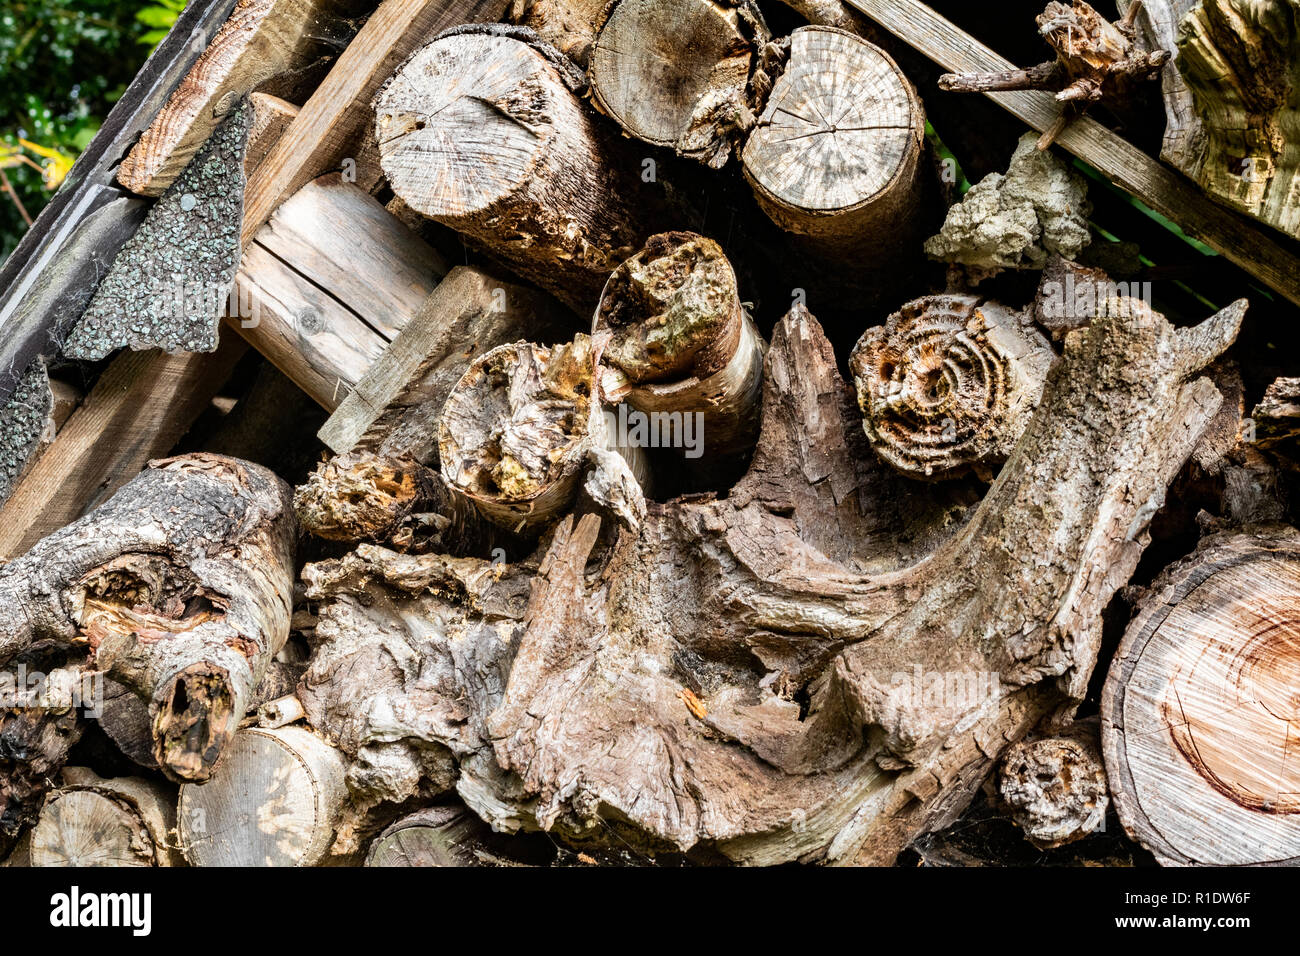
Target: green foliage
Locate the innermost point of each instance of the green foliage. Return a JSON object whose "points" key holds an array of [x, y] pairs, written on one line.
{"points": [[158, 19], [63, 64]]}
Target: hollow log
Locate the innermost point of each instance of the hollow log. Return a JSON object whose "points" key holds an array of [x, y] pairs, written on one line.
{"points": [[749, 676], [949, 384], [683, 345], [677, 73], [177, 587], [837, 158], [277, 802], [520, 430], [1199, 701], [1055, 787], [568, 25], [483, 131], [89, 821]]}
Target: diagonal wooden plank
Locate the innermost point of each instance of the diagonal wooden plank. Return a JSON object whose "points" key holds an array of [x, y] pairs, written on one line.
{"points": [[1236, 237]]}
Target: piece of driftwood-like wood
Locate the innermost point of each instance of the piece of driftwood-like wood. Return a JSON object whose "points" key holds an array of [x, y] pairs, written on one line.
{"points": [[276, 802], [1232, 235], [568, 25], [91, 821], [484, 132], [140, 406], [261, 39], [394, 408], [332, 122], [177, 587], [1199, 706]]}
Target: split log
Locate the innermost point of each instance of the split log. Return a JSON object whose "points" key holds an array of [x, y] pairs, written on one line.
{"points": [[1199, 702], [520, 430], [568, 25], [677, 73], [683, 348], [949, 383], [176, 587], [1096, 62], [276, 802], [89, 821], [837, 158], [261, 39], [394, 409], [748, 676], [1231, 100], [1055, 787], [485, 132]]}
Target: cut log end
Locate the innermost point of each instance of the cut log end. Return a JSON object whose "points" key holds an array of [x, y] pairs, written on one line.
{"points": [[1055, 788], [196, 715]]}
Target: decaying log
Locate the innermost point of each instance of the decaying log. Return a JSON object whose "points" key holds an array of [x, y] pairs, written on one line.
{"points": [[394, 409], [449, 836], [568, 25], [1199, 703], [522, 428], [177, 587], [677, 73], [483, 131], [1232, 101], [89, 821], [1276, 421], [1018, 220], [276, 802], [837, 158], [949, 383], [751, 676], [261, 39], [1096, 62], [684, 348], [34, 744], [1055, 787]]}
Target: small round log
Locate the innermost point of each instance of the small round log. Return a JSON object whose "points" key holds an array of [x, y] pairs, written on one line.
{"points": [[836, 158], [676, 73], [1201, 702], [91, 821], [948, 384], [682, 345], [1055, 787], [276, 802], [485, 133]]}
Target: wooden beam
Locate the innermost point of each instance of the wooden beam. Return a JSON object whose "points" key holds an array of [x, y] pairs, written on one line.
{"points": [[330, 125], [1235, 237], [140, 407]]}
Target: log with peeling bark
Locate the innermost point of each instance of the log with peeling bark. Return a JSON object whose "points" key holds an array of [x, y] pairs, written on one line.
{"points": [[277, 802], [1199, 704], [1096, 62], [178, 587], [649, 689], [683, 74], [683, 345], [838, 158], [89, 821], [523, 433], [949, 383], [483, 130]]}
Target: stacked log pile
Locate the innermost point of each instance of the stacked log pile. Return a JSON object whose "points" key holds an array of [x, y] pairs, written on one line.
{"points": [[608, 538]]}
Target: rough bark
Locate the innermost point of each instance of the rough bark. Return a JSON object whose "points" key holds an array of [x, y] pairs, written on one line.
{"points": [[682, 73], [25, 420], [178, 587], [522, 429], [568, 25], [278, 801], [837, 158], [89, 821], [949, 383], [683, 345], [1096, 62], [483, 131], [34, 744], [1055, 787], [746, 678], [1199, 702]]}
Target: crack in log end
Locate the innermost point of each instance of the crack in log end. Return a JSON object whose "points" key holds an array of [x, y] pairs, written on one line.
{"points": [[194, 720]]}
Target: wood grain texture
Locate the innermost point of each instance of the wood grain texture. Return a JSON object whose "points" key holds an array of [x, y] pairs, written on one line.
{"points": [[141, 405], [1199, 707], [275, 803], [331, 123], [89, 821], [1233, 236]]}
